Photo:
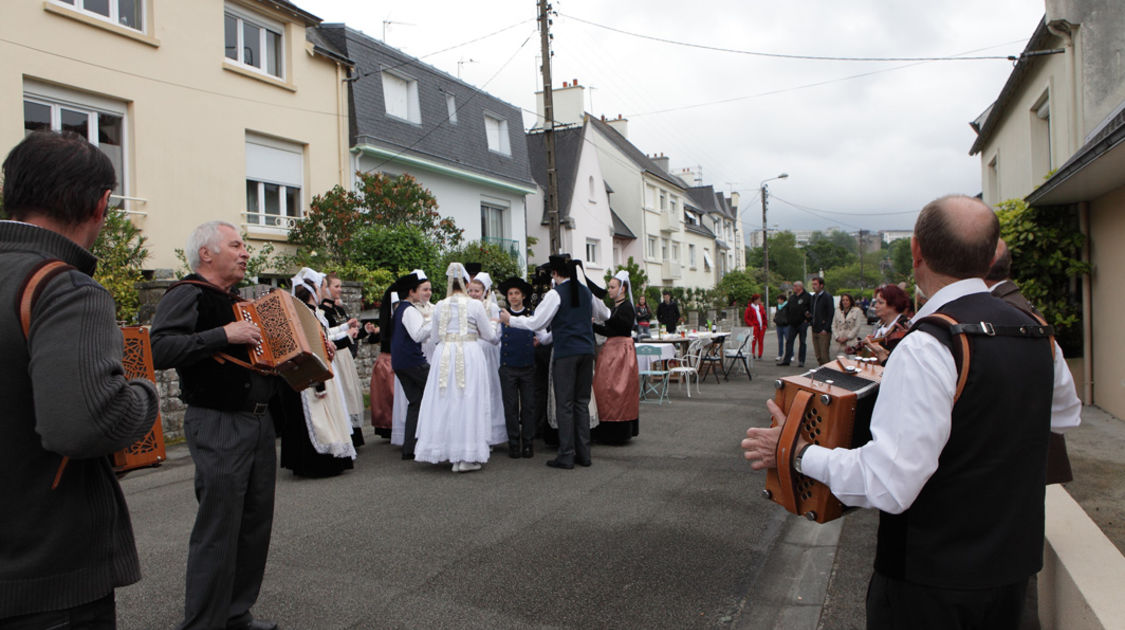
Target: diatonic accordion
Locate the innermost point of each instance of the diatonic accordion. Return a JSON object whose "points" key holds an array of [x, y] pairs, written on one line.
{"points": [[293, 343], [830, 407]]}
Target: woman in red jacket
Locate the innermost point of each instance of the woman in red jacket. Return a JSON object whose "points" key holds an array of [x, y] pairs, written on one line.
{"points": [[755, 318]]}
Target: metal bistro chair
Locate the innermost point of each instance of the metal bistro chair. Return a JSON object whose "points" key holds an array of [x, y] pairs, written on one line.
{"points": [[688, 365], [653, 381], [739, 355], [712, 358]]}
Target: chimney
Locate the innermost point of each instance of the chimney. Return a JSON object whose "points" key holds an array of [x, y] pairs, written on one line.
{"points": [[734, 197], [621, 125], [569, 103], [662, 161]]}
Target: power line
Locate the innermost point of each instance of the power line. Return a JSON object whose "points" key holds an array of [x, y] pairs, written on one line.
{"points": [[855, 214], [755, 53], [438, 52]]}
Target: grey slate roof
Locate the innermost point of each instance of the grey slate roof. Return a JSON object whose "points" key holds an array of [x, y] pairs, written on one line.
{"points": [[700, 229], [324, 46], [289, 7], [462, 145], [705, 198], [568, 149], [636, 155], [620, 230]]}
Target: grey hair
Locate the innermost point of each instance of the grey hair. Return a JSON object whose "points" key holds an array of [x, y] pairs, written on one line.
{"points": [[206, 235]]}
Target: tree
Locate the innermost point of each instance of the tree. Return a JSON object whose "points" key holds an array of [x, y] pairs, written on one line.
{"points": [[824, 253], [327, 234], [1046, 248], [496, 260], [849, 275], [902, 261], [736, 287], [637, 277], [121, 255], [785, 258]]}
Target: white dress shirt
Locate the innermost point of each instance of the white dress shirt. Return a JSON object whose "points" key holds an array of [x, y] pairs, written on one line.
{"points": [[911, 421], [549, 306], [415, 324]]}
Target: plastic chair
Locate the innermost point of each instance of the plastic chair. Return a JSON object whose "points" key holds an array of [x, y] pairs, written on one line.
{"points": [[653, 381], [688, 366], [740, 354]]}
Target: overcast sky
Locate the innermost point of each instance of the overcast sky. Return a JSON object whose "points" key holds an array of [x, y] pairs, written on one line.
{"points": [[856, 149]]}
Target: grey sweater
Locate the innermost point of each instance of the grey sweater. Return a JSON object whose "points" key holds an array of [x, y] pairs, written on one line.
{"points": [[63, 393]]}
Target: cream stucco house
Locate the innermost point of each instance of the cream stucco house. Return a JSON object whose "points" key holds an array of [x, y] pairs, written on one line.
{"points": [[1056, 137], [209, 109]]}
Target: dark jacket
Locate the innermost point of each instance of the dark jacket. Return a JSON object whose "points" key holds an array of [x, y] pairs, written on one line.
{"points": [[668, 314], [821, 308], [798, 310], [64, 393]]}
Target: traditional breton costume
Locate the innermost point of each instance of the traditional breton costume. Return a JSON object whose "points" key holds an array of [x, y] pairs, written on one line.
{"points": [[455, 422], [617, 387], [569, 309], [382, 391], [517, 375], [343, 363], [398, 412], [409, 330], [498, 434], [321, 446]]}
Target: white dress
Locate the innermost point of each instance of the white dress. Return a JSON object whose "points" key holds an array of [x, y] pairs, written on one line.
{"points": [[455, 420], [330, 428], [499, 430], [398, 408]]}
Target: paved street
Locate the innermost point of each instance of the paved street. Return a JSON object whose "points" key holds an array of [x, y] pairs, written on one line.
{"points": [[667, 531]]}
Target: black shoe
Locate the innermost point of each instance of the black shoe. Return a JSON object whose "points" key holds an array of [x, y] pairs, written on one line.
{"points": [[782, 363], [584, 463], [406, 455], [255, 624], [514, 450], [801, 364], [528, 451], [554, 463]]}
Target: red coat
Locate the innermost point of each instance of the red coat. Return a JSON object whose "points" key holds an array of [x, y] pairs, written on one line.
{"points": [[752, 321]]}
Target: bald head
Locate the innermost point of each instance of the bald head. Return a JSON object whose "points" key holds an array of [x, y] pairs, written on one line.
{"points": [[956, 236]]}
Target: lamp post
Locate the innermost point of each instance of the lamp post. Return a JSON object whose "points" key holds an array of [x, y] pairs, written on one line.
{"points": [[765, 234]]}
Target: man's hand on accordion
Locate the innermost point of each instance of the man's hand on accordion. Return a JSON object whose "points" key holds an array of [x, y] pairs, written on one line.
{"points": [[243, 332], [761, 444]]}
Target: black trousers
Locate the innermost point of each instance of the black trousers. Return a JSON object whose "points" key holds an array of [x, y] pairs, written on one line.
{"points": [[235, 470], [413, 385], [795, 332], [542, 384], [517, 387], [897, 605], [574, 379], [100, 614]]}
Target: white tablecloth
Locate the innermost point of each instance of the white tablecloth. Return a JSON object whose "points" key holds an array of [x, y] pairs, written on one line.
{"points": [[667, 351]]}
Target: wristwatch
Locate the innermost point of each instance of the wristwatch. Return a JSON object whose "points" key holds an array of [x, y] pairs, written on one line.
{"points": [[797, 458]]}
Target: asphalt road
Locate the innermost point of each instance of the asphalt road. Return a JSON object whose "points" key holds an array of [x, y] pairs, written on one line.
{"points": [[667, 531]]}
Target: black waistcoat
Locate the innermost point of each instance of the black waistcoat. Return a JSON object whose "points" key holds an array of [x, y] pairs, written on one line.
{"points": [[208, 383], [978, 521]]}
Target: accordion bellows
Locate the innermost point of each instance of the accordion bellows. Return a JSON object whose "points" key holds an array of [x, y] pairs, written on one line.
{"points": [[830, 407], [293, 343]]}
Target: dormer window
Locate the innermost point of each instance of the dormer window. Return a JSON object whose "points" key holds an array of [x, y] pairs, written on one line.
{"points": [[496, 130], [253, 41], [400, 97]]}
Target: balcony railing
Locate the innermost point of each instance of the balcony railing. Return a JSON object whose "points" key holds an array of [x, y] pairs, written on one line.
{"points": [[509, 245]]}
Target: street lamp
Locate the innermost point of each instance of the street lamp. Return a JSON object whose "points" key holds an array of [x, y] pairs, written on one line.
{"points": [[765, 235]]}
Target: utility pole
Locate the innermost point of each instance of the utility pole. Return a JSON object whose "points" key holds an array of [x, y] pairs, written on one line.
{"points": [[765, 246], [861, 278], [549, 126]]}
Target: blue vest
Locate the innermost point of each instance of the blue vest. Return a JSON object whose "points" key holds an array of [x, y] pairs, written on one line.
{"points": [[572, 326], [405, 352], [517, 346]]}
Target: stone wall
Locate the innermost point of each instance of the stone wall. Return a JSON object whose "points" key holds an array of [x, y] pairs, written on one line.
{"points": [[168, 382]]}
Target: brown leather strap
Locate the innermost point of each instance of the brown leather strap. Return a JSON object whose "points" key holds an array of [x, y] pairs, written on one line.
{"points": [[786, 444], [29, 292], [963, 374]]}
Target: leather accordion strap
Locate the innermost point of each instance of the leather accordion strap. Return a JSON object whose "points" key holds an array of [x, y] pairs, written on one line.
{"points": [[33, 285], [963, 373], [1040, 331], [786, 444]]}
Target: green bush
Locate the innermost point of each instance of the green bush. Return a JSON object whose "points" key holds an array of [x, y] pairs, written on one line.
{"points": [[736, 287], [496, 260], [121, 255]]}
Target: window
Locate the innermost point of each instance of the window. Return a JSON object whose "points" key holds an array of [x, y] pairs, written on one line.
{"points": [[274, 173], [664, 249], [127, 13], [496, 129], [676, 252], [592, 188], [100, 121], [706, 259], [663, 201], [450, 106], [691, 255], [493, 221], [993, 180], [592, 246], [652, 247], [400, 97], [650, 196], [673, 205], [1041, 136], [253, 41]]}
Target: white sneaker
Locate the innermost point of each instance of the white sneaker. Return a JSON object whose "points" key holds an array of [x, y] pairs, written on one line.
{"points": [[469, 466], [456, 467]]}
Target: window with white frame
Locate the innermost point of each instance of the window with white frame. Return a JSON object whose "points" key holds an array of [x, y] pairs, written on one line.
{"points": [[400, 97], [652, 247], [663, 249], [592, 247], [650, 196], [675, 251], [274, 173], [101, 121], [493, 221], [253, 41], [691, 255], [496, 130], [127, 13], [663, 201], [450, 107]]}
